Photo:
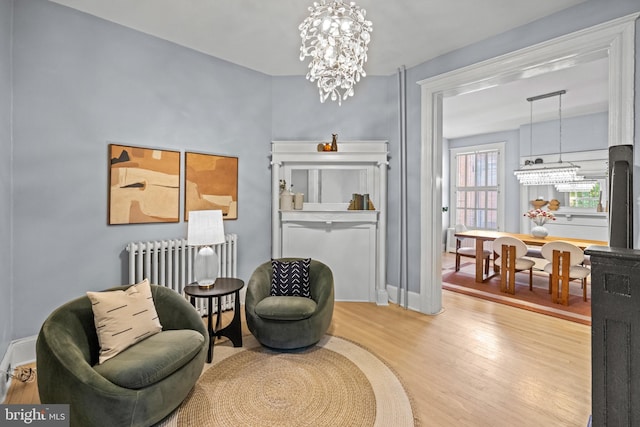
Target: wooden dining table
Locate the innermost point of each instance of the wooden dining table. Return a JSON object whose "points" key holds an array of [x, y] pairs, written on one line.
{"points": [[481, 236]]}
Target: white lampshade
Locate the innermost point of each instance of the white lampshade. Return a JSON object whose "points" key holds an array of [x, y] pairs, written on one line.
{"points": [[205, 228]]}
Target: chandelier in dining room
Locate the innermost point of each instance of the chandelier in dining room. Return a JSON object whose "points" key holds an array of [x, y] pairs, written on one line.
{"points": [[535, 172], [335, 36]]}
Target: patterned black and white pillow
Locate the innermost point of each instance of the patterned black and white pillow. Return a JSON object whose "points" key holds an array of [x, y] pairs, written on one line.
{"points": [[291, 278]]}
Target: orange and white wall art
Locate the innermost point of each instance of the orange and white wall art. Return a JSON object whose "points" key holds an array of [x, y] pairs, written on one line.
{"points": [[211, 182], [144, 185]]}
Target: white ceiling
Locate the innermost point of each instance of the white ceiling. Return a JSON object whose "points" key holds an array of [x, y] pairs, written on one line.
{"points": [[263, 35], [505, 107]]}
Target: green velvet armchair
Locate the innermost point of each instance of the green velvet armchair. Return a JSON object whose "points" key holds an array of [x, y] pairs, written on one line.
{"points": [[289, 322], [139, 386]]}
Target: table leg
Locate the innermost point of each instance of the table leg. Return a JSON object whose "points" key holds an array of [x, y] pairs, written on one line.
{"points": [[555, 277], [560, 278], [504, 271], [218, 312], [212, 336], [479, 260], [565, 278], [512, 270], [233, 330]]}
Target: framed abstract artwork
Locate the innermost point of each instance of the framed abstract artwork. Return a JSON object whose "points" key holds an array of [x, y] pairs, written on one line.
{"points": [[144, 185], [211, 183]]}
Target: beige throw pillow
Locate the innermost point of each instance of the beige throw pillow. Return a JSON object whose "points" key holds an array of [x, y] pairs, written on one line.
{"points": [[123, 318]]}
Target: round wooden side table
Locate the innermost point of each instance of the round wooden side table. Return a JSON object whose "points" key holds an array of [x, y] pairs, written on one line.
{"points": [[223, 286]]}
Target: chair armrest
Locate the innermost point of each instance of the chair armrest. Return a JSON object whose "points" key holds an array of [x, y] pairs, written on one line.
{"points": [[259, 285], [322, 282]]}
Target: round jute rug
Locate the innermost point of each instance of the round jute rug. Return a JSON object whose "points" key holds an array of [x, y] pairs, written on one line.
{"points": [[334, 383]]}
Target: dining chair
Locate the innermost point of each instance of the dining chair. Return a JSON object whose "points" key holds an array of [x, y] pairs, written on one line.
{"points": [[509, 255], [469, 251], [566, 263]]}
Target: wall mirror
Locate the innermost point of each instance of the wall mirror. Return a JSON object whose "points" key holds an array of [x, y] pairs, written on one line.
{"points": [[329, 184]]}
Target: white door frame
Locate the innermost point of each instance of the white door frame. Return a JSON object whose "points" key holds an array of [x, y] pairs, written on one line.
{"points": [[614, 39]]}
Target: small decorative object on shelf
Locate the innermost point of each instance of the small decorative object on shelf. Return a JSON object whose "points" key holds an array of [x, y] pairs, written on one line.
{"points": [[554, 204], [334, 142], [538, 203], [540, 218], [329, 146], [361, 202], [298, 201], [286, 200]]}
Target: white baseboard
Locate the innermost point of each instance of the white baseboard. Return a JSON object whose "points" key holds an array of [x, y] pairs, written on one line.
{"points": [[19, 352], [382, 297]]}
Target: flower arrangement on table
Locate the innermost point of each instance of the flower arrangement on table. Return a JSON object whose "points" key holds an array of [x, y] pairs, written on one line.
{"points": [[540, 217]]}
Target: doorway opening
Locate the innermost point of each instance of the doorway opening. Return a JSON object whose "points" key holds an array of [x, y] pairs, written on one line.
{"points": [[614, 39]]}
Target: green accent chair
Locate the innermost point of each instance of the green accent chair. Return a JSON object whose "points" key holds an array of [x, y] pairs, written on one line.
{"points": [[138, 387], [287, 322]]}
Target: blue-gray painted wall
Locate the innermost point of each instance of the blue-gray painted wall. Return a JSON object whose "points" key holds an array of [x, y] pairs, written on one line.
{"points": [[80, 82], [6, 322], [584, 133]]}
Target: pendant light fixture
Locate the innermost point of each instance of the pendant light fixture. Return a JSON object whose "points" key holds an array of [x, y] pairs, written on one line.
{"points": [[335, 35], [535, 172]]}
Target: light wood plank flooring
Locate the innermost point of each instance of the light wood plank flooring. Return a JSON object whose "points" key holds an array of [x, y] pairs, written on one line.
{"points": [[477, 363]]}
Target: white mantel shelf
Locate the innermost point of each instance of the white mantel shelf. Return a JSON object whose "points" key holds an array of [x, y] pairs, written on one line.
{"points": [[329, 216], [348, 152]]}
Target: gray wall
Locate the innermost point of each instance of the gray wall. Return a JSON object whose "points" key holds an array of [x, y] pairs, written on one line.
{"points": [[6, 146], [583, 133], [81, 82]]}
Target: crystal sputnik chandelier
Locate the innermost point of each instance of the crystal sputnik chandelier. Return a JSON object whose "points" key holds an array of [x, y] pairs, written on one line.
{"points": [[335, 35], [536, 173], [531, 175]]}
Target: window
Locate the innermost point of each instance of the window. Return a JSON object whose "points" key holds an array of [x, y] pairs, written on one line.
{"points": [[587, 199], [475, 178]]}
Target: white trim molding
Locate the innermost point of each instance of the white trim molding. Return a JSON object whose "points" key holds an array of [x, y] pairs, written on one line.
{"points": [[20, 352], [613, 39]]}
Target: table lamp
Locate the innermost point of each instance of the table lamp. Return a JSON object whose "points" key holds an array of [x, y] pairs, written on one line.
{"points": [[205, 229]]}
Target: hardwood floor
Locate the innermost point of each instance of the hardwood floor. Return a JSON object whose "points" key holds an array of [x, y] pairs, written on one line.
{"points": [[23, 392], [480, 363], [477, 363]]}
